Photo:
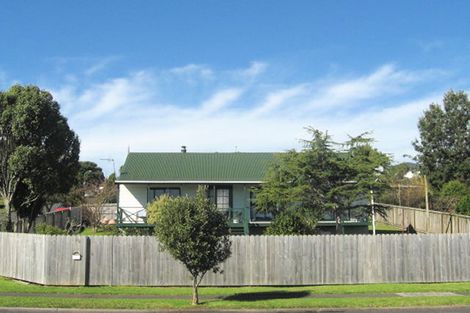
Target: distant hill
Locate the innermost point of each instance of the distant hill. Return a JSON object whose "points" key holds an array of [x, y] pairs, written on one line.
{"points": [[399, 170]]}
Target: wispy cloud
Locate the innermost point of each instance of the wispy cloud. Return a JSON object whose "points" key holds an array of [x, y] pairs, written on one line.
{"points": [[256, 68], [191, 70], [100, 65], [430, 45], [220, 100], [232, 111], [276, 99], [387, 80]]}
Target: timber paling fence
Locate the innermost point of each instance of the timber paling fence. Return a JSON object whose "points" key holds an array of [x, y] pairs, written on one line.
{"points": [[439, 222], [255, 260]]}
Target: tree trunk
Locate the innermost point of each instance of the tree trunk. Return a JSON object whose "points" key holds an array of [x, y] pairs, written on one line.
{"points": [[338, 221], [7, 204], [195, 294]]}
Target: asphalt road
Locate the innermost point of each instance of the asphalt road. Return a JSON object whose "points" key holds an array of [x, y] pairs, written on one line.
{"points": [[460, 309]]}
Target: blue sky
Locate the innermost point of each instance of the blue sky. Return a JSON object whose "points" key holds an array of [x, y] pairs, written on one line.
{"points": [[236, 75]]}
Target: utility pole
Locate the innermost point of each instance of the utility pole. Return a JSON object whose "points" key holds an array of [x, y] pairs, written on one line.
{"points": [[114, 165], [426, 198], [373, 210]]}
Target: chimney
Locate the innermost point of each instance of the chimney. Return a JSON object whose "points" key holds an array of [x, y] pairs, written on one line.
{"points": [[183, 149]]}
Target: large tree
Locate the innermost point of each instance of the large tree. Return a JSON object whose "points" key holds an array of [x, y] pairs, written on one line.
{"points": [[38, 151], [444, 143], [193, 231], [324, 176]]}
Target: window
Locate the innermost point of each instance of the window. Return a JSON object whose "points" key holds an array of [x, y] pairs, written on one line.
{"points": [[221, 196], [157, 192]]}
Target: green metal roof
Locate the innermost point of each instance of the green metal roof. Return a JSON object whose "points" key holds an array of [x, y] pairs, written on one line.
{"points": [[197, 167]]}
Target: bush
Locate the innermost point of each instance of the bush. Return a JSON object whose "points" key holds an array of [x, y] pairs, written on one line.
{"points": [[463, 207], [292, 222], [45, 229], [452, 197]]}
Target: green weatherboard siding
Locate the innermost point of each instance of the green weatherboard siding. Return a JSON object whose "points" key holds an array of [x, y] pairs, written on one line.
{"points": [[221, 167]]}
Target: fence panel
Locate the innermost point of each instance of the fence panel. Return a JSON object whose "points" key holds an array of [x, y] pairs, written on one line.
{"points": [[439, 222], [255, 260]]}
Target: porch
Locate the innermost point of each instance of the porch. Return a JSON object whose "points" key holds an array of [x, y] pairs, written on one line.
{"points": [[238, 219]]}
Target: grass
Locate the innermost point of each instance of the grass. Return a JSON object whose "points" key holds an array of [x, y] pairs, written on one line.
{"points": [[99, 232], [8, 285], [233, 297], [41, 302], [382, 228]]}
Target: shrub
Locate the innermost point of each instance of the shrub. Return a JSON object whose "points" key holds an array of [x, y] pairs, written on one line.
{"points": [[463, 207], [45, 229], [292, 222], [452, 196]]}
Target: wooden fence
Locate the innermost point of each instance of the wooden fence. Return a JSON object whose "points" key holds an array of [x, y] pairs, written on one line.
{"points": [[439, 222], [255, 260]]}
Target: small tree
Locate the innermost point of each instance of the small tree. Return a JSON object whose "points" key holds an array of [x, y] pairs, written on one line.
{"points": [[194, 232], [94, 205]]}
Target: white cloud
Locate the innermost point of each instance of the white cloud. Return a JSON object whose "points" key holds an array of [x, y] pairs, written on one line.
{"points": [[192, 70], [100, 65], [131, 111], [385, 81], [220, 100], [106, 98], [255, 69], [275, 99]]}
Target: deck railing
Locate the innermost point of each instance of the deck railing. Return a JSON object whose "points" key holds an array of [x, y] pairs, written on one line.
{"points": [[237, 218]]}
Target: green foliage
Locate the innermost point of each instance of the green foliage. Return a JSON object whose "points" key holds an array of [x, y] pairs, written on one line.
{"points": [[455, 196], [90, 174], [38, 150], [45, 229], [194, 232], [463, 207], [324, 176], [103, 230], [87, 181], [454, 188], [444, 144], [154, 207], [136, 231], [292, 222]]}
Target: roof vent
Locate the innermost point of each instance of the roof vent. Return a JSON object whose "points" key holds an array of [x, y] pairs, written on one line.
{"points": [[183, 149]]}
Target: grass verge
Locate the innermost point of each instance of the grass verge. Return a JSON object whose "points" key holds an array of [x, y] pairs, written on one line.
{"points": [[8, 285], [41, 302]]}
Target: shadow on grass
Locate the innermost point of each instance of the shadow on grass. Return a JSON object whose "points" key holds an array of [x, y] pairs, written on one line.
{"points": [[267, 295], [386, 231]]}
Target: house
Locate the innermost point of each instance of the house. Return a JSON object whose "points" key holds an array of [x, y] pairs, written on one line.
{"points": [[230, 177]]}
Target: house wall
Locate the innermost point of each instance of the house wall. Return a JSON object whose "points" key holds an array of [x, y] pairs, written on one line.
{"points": [[133, 198]]}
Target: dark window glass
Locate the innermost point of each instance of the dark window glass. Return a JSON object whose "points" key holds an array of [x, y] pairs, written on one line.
{"points": [[157, 192]]}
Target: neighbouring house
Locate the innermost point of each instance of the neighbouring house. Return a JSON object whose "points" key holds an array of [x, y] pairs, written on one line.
{"points": [[230, 177]]}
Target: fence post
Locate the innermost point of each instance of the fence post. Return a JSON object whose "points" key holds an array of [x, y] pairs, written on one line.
{"points": [[86, 259]]}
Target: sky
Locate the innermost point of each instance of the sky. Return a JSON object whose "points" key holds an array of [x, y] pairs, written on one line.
{"points": [[225, 76]]}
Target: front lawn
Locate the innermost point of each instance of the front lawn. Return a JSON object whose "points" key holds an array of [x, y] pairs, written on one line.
{"points": [[382, 228], [231, 297]]}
